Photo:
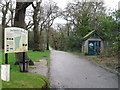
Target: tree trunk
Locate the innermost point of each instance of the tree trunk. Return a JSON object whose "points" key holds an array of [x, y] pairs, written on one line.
{"points": [[47, 39], [35, 28], [42, 48], [4, 12], [36, 38], [19, 22], [3, 27]]}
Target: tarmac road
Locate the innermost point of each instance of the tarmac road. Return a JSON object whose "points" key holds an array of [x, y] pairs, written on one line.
{"points": [[72, 71]]}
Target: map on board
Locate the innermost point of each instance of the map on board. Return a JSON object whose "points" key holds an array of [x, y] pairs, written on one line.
{"points": [[16, 40]]}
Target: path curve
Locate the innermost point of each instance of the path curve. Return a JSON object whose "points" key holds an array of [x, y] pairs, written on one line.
{"points": [[72, 71]]}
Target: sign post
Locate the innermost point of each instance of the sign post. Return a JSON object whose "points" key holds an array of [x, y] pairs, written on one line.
{"points": [[6, 58], [23, 61], [15, 41]]}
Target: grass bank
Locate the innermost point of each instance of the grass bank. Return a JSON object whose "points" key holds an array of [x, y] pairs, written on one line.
{"points": [[110, 62], [26, 80], [35, 56]]}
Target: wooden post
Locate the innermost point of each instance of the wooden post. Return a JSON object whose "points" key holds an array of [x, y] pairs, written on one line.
{"points": [[6, 58], [23, 61]]}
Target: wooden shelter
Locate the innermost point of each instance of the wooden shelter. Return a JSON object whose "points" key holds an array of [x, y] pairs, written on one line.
{"points": [[92, 43]]}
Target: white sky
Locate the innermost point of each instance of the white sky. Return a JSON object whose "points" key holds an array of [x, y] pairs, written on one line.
{"points": [[113, 4], [110, 4]]}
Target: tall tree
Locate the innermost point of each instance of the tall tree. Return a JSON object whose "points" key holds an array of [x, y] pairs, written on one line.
{"points": [[36, 20], [83, 15], [19, 21], [12, 12], [5, 8], [51, 11]]}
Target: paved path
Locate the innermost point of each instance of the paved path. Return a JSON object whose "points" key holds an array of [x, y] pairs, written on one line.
{"points": [[40, 68], [71, 71]]}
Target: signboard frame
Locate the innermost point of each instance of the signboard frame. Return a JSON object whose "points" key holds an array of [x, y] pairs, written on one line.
{"points": [[15, 40]]}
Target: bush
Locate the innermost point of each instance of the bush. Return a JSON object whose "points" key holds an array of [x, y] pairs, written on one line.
{"points": [[110, 51], [73, 43]]}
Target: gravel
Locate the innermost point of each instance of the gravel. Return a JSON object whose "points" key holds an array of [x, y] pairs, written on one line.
{"points": [[40, 68]]}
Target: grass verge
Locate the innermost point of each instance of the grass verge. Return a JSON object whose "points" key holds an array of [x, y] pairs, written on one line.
{"points": [[110, 62], [26, 80], [35, 56]]}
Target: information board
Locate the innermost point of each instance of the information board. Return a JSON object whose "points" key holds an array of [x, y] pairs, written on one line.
{"points": [[16, 40]]}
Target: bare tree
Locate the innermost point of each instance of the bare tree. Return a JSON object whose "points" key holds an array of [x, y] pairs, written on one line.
{"points": [[83, 15], [51, 13], [36, 20], [19, 21], [12, 12], [4, 7]]}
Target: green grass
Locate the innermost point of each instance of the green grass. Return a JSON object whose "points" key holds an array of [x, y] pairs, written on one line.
{"points": [[110, 62], [98, 62], [79, 54], [11, 58], [25, 80], [48, 61], [35, 56]]}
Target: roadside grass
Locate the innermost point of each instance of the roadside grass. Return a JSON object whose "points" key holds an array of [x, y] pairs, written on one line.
{"points": [[77, 53], [35, 56], [11, 58], [1, 57], [25, 80], [48, 61], [110, 62]]}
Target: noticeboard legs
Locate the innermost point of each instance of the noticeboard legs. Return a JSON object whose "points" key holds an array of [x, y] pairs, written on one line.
{"points": [[6, 58], [23, 61]]}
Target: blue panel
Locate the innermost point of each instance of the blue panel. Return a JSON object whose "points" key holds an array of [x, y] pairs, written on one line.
{"points": [[94, 47]]}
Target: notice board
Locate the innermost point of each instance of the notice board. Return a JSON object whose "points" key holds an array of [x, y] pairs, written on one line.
{"points": [[15, 40]]}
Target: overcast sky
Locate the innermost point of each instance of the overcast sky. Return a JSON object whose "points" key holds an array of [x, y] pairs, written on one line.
{"points": [[113, 4]]}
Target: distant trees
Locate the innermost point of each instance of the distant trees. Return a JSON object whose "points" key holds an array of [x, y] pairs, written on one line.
{"points": [[109, 29], [82, 17], [51, 10], [7, 10], [43, 17]]}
